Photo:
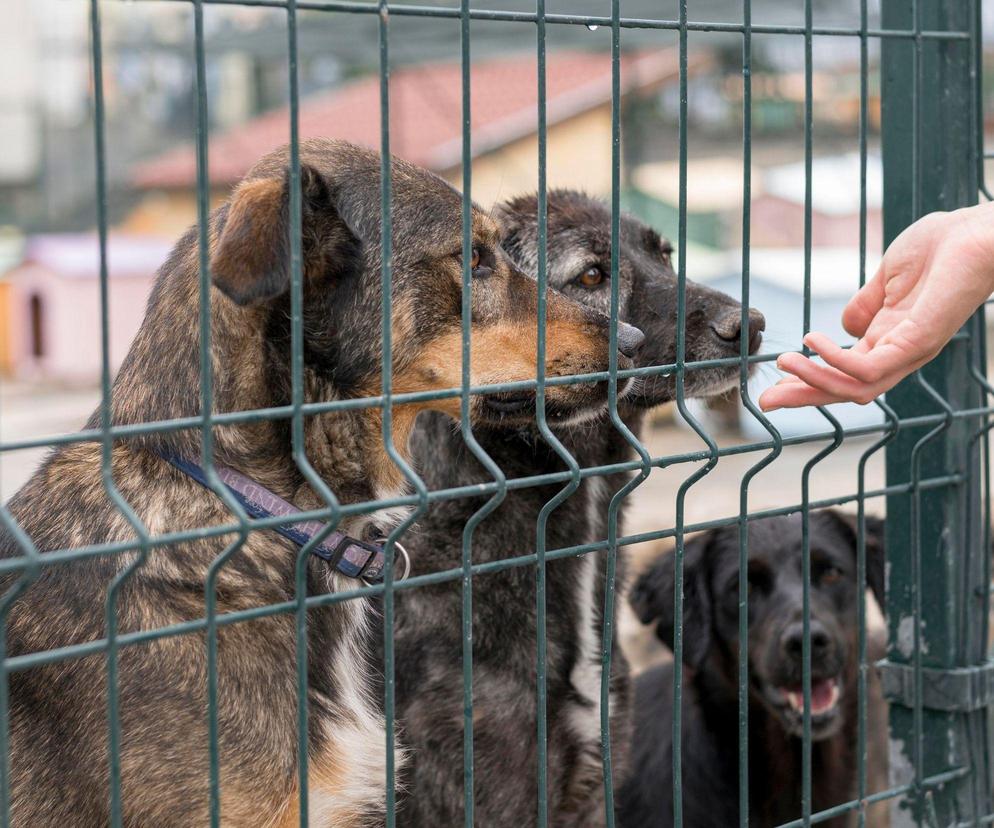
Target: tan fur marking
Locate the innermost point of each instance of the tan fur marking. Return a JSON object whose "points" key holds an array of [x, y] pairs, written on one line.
{"points": [[502, 353], [328, 780]]}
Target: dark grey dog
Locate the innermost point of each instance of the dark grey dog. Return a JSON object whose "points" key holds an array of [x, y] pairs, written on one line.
{"points": [[429, 644]]}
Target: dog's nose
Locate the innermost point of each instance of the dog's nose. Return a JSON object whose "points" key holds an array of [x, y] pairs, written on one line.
{"points": [[629, 338], [792, 641], [728, 328]]}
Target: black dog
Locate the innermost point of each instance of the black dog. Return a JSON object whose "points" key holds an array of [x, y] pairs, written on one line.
{"points": [[776, 703], [429, 644]]}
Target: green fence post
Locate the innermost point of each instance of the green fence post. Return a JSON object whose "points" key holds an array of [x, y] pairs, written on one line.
{"points": [[935, 675]]}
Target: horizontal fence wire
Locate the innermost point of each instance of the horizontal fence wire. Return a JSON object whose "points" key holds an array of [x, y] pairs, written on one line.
{"points": [[135, 553], [496, 15]]}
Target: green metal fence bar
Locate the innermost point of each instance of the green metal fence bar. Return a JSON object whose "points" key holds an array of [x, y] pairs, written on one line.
{"points": [[386, 274], [882, 796], [297, 436], [610, 574], [699, 430], [941, 529], [546, 433], [206, 412], [863, 675], [776, 445], [469, 782], [107, 445], [497, 15], [935, 427]]}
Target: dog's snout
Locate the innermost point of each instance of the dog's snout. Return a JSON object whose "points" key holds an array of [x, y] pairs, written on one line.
{"points": [[629, 339], [792, 640], [728, 328]]}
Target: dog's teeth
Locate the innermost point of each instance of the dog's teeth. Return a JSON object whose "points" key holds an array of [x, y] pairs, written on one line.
{"points": [[823, 698]]}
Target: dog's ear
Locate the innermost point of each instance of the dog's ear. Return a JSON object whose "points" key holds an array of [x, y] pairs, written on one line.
{"points": [[652, 597], [876, 554], [514, 217], [875, 547], [251, 260]]}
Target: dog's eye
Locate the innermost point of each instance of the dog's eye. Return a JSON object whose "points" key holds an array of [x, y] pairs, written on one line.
{"points": [[474, 263], [760, 581], [830, 575], [592, 277]]}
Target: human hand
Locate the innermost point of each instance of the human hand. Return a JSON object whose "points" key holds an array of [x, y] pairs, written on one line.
{"points": [[930, 281]]}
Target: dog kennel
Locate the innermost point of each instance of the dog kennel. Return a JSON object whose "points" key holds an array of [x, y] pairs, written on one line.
{"points": [[932, 431]]}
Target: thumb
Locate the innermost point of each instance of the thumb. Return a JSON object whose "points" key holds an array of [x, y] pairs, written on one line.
{"points": [[859, 312]]}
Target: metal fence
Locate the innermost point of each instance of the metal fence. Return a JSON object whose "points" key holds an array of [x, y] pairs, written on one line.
{"points": [[937, 674]]}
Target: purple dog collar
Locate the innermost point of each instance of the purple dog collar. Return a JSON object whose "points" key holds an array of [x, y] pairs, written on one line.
{"points": [[350, 556]]}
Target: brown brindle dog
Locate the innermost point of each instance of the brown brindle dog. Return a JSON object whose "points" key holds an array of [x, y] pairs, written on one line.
{"points": [[58, 712]]}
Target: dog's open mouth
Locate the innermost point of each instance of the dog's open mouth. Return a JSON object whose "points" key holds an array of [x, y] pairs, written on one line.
{"points": [[825, 712], [824, 697]]}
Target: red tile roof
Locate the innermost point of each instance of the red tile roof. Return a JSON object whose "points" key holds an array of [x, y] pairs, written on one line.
{"points": [[425, 112]]}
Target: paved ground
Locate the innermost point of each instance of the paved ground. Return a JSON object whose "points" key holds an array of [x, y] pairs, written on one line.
{"points": [[29, 412]]}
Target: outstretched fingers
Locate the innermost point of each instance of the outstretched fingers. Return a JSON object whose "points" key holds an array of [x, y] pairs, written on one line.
{"points": [[826, 378], [791, 392]]}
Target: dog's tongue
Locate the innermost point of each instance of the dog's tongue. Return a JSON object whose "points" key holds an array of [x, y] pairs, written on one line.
{"points": [[824, 695]]}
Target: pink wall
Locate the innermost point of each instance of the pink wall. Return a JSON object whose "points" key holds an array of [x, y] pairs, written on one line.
{"points": [[71, 322]]}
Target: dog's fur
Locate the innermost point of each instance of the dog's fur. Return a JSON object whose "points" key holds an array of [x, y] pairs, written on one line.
{"points": [[428, 647], [710, 652], [58, 712]]}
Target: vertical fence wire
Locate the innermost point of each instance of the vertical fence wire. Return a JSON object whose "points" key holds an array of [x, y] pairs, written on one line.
{"points": [[206, 412], [466, 426], [864, 668], [699, 430], [755, 412], [918, 720], [546, 433], [977, 74], [861, 644], [297, 433], [541, 735], [805, 510], [924, 807], [610, 575], [106, 440], [30, 572], [386, 286], [978, 367]]}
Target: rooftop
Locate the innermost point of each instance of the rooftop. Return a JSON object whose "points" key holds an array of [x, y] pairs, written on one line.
{"points": [[426, 111]]}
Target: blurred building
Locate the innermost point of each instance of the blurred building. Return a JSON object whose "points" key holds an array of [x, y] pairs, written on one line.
{"points": [[778, 196], [11, 251], [426, 128], [52, 326]]}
